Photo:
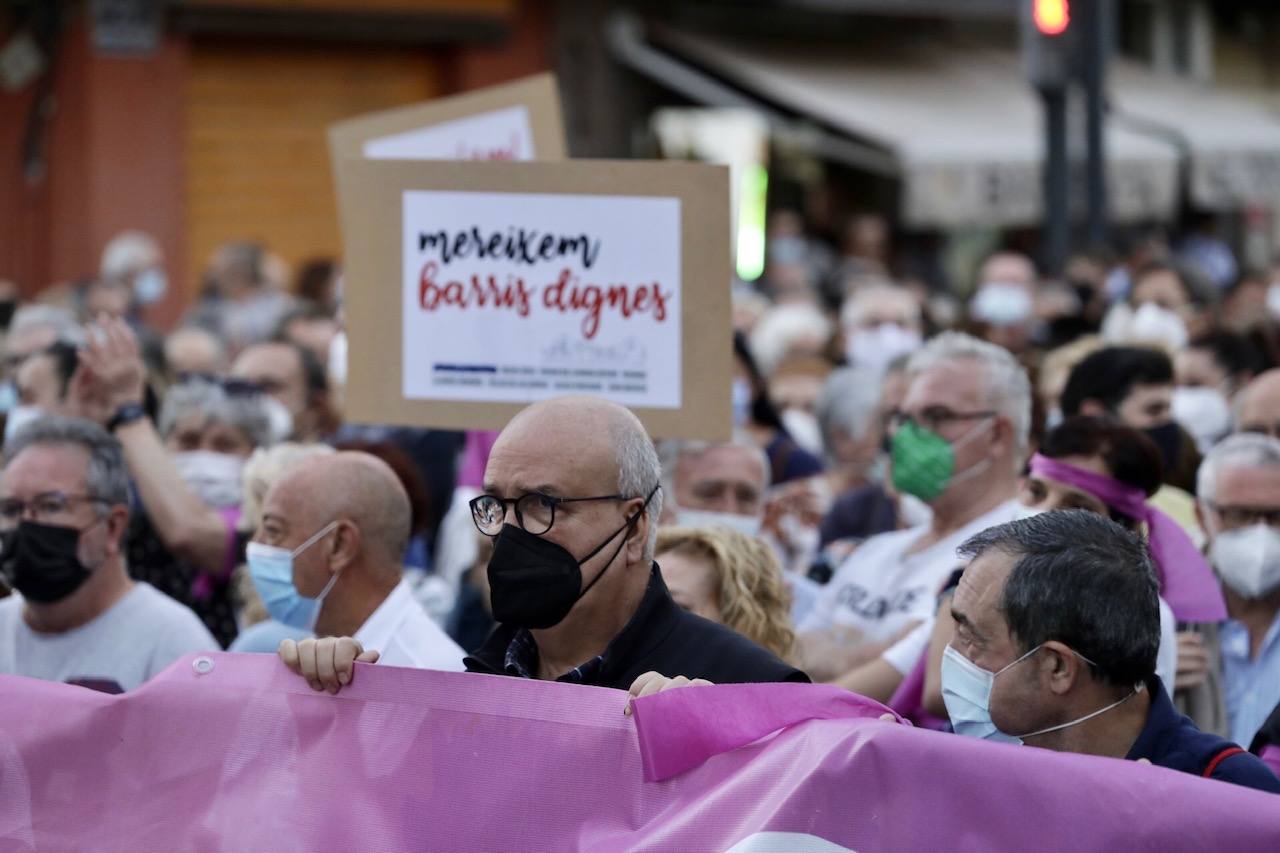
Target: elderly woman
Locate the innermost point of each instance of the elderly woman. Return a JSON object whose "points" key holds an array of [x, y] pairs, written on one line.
{"points": [[209, 434], [730, 578], [188, 476]]}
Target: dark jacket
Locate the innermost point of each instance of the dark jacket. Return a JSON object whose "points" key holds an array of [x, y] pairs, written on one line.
{"points": [[661, 637], [1172, 740], [1268, 735]]}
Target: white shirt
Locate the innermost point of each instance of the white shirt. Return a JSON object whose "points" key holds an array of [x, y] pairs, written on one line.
{"points": [[880, 588], [1167, 655], [133, 640], [405, 635]]}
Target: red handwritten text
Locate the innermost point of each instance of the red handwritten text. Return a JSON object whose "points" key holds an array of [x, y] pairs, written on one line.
{"points": [[480, 291], [568, 294], [510, 151]]}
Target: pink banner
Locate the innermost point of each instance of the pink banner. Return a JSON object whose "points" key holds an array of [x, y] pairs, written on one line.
{"points": [[232, 753]]}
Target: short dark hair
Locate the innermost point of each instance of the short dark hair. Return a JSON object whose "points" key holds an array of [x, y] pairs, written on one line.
{"points": [[1130, 456], [314, 374], [1234, 353], [1083, 580], [763, 411], [1199, 291], [1110, 374], [314, 278]]}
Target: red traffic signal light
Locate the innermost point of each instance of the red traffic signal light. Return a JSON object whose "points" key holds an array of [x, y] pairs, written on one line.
{"points": [[1051, 16]]}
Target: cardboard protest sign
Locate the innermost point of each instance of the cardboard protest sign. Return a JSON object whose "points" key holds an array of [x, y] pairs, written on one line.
{"points": [[475, 289], [515, 121]]}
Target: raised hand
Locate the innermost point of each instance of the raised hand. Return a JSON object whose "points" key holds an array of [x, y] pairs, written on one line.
{"points": [[113, 360]]}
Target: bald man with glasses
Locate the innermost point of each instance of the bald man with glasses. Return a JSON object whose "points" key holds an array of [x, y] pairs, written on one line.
{"points": [[572, 501]]}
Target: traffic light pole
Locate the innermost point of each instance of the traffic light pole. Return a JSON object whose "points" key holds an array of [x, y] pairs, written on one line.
{"points": [[1095, 51], [1051, 55], [1057, 180]]}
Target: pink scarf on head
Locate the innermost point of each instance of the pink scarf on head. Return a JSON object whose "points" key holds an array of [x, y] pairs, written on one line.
{"points": [[1187, 582]]}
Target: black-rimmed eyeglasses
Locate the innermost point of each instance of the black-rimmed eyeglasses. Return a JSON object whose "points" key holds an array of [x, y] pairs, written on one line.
{"points": [[535, 511], [44, 507]]}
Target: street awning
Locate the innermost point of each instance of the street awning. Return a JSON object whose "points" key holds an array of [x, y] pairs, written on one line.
{"points": [[1231, 143], [961, 126]]}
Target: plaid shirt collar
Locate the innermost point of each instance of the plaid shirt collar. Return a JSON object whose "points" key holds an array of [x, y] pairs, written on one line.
{"points": [[521, 660]]}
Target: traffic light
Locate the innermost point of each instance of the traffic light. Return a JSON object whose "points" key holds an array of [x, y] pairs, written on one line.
{"points": [[1049, 43], [1051, 17]]}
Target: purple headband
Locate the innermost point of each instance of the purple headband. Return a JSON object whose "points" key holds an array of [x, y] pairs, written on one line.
{"points": [[1187, 582]]}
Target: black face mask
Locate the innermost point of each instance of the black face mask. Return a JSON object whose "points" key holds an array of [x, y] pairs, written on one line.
{"points": [[1167, 437], [534, 583], [42, 562]]}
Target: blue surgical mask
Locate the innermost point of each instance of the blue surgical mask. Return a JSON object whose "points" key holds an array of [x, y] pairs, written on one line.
{"points": [[966, 691], [8, 396], [272, 571], [150, 286]]}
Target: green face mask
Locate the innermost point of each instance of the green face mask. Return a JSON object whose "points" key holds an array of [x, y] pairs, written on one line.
{"points": [[924, 462]]}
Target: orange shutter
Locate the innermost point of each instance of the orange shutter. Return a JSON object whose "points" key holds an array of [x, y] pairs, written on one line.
{"points": [[257, 164]]}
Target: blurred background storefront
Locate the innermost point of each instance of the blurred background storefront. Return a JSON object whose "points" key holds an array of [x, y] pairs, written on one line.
{"points": [[201, 121], [921, 112]]}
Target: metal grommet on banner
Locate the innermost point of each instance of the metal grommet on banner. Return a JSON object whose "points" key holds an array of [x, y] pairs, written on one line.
{"points": [[202, 666]]}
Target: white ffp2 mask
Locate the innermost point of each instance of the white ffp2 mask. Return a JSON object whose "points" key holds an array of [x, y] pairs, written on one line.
{"points": [[1248, 559], [748, 525]]}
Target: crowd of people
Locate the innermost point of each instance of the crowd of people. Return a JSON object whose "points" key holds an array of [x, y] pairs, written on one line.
{"points": [[1047, 512]]}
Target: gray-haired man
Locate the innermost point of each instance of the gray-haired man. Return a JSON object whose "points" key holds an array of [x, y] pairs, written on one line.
{"points": [[1238, 495], [959, 440], [64, 496], [715, 484]]}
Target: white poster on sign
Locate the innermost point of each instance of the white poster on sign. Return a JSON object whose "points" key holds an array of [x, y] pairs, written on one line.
{"points": [[514, 297], [504, 134]]}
